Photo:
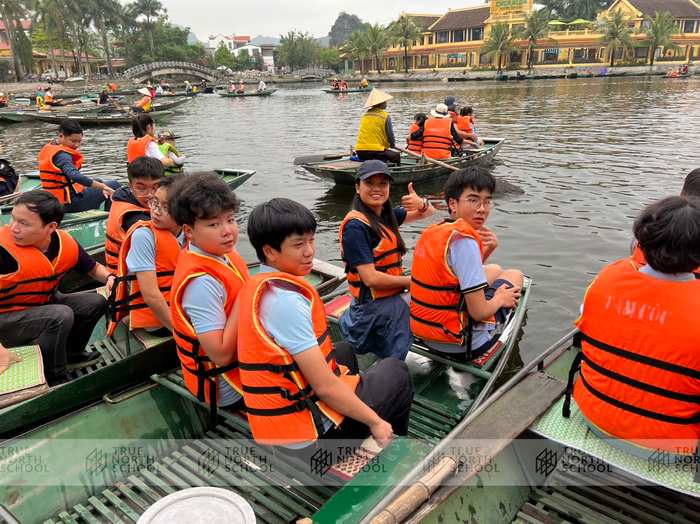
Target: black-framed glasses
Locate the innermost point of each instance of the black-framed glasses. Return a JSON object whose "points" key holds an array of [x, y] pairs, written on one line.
{"points": [[144, 192], [163, 210], [476, 203]]}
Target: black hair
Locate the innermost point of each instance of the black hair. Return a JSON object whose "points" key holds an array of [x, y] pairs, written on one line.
{"points": [[170, 180], [139, 124], [44, 204], [475, 177], [420, 118], [272, 222], [380, 224], [200, 197], [691, 186], [145, 168], [70, 127], [668, 232], [466, 111]]}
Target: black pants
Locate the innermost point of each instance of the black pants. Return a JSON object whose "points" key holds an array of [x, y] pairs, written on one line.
{"points": [[64, 324], [91, 198], [387, 388], [388, 155]]}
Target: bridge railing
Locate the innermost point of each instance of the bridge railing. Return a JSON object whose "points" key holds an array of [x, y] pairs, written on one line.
{"points": [[154, 66], [314, 71]]}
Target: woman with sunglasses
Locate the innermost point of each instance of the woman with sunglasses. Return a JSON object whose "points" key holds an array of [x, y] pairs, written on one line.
{"points": [[146, 267], [378, 318]]}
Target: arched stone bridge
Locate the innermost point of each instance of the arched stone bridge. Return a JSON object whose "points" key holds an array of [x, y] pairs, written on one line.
{"points": [[145, 71]]}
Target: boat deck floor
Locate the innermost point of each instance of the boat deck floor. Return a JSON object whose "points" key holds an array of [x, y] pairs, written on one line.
{"points": [[605, 497]]}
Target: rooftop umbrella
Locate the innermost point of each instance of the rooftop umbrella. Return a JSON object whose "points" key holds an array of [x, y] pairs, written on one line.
{"points": [[556, 22], [580, 21]]}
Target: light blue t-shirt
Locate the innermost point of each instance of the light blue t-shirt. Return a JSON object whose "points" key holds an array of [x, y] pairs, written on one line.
{"points": [[464, 259], [285, 315], [203, 303]]}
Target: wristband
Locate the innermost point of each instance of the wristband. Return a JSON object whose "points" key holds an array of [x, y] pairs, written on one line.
{"points": [[425, 207]]}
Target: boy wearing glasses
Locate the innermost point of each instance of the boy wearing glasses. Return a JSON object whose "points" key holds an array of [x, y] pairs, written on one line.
{"points": [[146, 266], [456, 300], [130, 204]]}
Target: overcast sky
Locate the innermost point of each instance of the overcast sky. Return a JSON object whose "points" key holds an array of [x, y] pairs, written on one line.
{"points": [[276, 17]]}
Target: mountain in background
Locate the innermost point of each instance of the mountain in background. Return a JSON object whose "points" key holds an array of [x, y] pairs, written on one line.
{"points": [[265, 40], [191, 38]]}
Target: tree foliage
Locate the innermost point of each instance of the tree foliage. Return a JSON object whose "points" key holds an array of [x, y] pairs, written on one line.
{"points": [[658, 32], [616, 35], [499, 42], [535, 30], [356, 46], [404, 32], [298, 50], [376, 39], [574, 9], [343, 27]]}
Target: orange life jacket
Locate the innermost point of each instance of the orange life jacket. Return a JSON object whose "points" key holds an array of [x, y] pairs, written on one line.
{"points": [[136, 147], [640, 369], [387, 259], [52, 178], [114, 237], [200, 373], [438, 310], [48, 97], [415, 145], [36, 278], [124, 300], [282, 407], [437, 138], [464, 123], [640, 260]]}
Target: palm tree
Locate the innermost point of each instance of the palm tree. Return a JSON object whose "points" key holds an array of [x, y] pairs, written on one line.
{"points": [[12, 10], [499, 42], [356, 45], [536, 28], [404, 33], [103, 11], [44, 12], [125, 24], [150, 10], [658, 33], [616, 35], [376, 40], [73, 13]]}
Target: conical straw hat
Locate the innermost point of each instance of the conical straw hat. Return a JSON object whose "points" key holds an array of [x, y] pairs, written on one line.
{"points": [[376, 97]]}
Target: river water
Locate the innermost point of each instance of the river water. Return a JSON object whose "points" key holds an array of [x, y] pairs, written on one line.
{"points": [[588, 153]]}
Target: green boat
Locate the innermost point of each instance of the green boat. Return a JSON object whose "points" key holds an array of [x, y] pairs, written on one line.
{"points": [[93, 119], [679, 75], [357, 90], [231, 94], [165, 434], [410, 170]]}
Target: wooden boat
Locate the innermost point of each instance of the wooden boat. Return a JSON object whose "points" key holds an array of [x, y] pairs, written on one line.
{"points": [[100, 119], [180, 448], [502, 78], [533, 466], [572, 75], [356, 90], [169, 95], [267, 92], [410, 170], [679, 75], [166, 106]]}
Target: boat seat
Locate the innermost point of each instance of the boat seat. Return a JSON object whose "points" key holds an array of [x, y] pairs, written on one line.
{"points": [[23, 380]]}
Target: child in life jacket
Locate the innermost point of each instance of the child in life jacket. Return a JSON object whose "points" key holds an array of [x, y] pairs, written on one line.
{"points": [[208, 277], [166, 144], [416, 145], [465, 122], [301, 390]]}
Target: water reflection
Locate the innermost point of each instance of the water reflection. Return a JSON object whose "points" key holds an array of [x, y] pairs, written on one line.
{"points": [[588, 153]]}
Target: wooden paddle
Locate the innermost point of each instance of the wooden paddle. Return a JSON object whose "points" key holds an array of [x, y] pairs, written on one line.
{"points": [[318, 158]]}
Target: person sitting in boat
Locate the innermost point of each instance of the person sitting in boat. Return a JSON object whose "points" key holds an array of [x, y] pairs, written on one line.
{"points": [[34, 256], [691, 188], [131, 205], [363, 82], [209, 275], [188, 86], [685, 70], [103, 98], [59, 169], [418, 122], [145, 102], [49, 98], [9, 179], [452, 104], [335, 85], [147, 261], [377, 320], [144, 143], [343, 86], [376, 134], [41, 97], [166, 144], [4, 100], [465, 123], [457, 302], [282, 323], [241, 87], [159, 89], [231, 87], [639, 384], [439, 134], [113, 87], [262, 86]]}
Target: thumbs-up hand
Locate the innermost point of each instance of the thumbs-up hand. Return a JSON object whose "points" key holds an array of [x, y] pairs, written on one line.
{"points": [[412, 202]]}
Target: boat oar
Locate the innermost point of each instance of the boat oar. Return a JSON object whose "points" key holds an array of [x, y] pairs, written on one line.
{"points": [[318, 158]]}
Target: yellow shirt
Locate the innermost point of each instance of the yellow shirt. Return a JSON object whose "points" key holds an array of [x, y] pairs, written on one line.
{"points": [[372, 136]]}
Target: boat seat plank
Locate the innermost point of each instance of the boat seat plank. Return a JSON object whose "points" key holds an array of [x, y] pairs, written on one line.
{"points": [[570, 508], [121, 505], [154, 480], [86, 515], [146, 489], [105, 511], [533, 515], [172, 479], [133, 497], [66, 518]]}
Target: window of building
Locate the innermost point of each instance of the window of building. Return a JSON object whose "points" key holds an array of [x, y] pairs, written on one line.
{"points": [[476, 34], [460, 35], [485, 60], [516, 27], [579, 53], [690, 26], [443, 37], [430, 40], [642, 52]]}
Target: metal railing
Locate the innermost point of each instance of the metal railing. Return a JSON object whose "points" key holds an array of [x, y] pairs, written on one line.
{"points": [[313, 71], [154, 66]]}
